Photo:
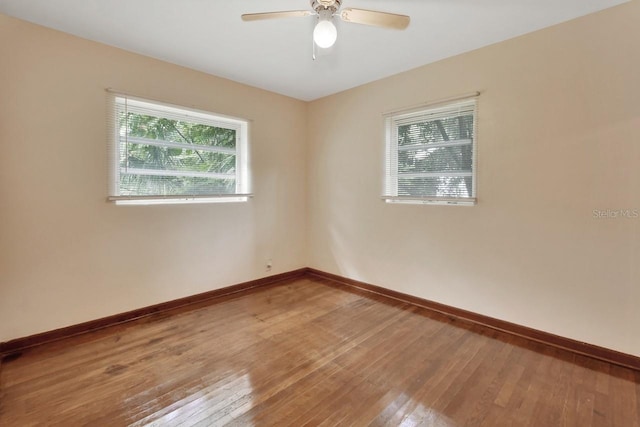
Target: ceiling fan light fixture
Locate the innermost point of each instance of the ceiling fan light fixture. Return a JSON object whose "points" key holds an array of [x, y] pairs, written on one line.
{"points": [[325, 33]]}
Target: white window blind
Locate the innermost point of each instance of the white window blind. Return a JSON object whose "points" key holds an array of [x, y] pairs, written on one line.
{"points": [[161, 153], [431, 154]]}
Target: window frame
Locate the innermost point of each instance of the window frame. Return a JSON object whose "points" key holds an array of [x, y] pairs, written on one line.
{"points": [[391, 125], [118, 102]]}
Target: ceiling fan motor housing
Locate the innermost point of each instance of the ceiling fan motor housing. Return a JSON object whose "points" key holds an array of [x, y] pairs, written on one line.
{"points": [[332, 5]]}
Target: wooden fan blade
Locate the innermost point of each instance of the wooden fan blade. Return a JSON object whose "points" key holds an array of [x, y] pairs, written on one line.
{"points": [[276, 15], [378, 19]]}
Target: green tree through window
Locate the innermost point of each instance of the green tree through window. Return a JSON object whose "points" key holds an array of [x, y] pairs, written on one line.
{"points": [[163, 154], [430, 153]]}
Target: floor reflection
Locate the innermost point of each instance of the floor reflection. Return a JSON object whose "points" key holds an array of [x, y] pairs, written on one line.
{"points": [[423, 416], [215, 404]]}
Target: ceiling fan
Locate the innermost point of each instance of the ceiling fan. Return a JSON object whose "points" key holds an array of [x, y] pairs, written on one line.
{"points": [[325, 32]]}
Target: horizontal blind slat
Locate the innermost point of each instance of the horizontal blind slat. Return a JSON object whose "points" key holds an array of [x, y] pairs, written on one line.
{"points": [[170, 144], [164, 172], [425, 146]]}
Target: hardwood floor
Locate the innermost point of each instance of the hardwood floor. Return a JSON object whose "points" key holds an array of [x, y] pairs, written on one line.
{"points": [[309, 352]]}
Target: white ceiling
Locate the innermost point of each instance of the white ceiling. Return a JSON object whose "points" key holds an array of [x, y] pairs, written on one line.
{"points": [[208, 35]]}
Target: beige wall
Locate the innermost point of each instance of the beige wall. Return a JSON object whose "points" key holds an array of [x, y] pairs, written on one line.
{"points": [[558, 135], [67, 255]]}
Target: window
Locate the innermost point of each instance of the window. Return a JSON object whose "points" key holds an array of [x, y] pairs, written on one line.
{"points": [[430, 156], [161, 153]]}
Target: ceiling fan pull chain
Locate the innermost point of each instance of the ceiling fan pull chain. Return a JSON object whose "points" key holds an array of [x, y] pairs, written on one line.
{"points": [[313, 49]]}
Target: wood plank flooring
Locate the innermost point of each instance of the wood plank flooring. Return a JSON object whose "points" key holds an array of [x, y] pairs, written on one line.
{"points": [[310, 352]]}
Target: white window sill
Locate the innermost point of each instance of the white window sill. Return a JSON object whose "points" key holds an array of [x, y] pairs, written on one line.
{"points": [[178, 200], [431, 201]]}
